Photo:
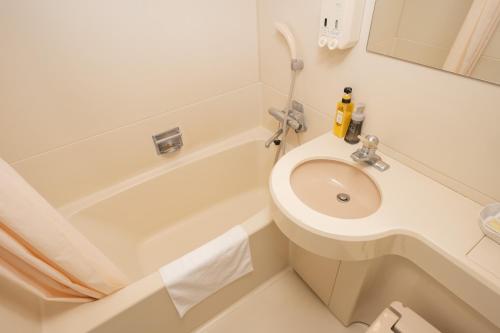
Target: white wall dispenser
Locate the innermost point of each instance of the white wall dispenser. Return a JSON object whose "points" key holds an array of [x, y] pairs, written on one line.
{"points": [[340, 23]]}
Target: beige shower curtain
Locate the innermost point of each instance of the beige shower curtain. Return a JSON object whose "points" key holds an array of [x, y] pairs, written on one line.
{"points": [[41, 252], [474, 36]]}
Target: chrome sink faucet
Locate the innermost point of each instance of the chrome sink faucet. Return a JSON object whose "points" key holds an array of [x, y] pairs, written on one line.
{"points": [[368, 153]]}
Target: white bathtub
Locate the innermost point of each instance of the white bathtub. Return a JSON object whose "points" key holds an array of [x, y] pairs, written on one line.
{"points": [[154, 218]]}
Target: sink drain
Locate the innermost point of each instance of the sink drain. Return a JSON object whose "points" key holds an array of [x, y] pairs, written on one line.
{"points": [[343, 197]]}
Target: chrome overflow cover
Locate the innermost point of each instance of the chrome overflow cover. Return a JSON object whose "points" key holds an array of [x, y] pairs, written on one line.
{"points": [[343, 197]]}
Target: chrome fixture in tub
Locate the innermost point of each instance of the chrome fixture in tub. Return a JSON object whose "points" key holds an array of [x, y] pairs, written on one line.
{"points": [[168, 142]]}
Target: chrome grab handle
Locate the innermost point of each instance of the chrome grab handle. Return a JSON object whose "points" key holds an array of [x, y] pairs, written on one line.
{"points": [[168, 142]]}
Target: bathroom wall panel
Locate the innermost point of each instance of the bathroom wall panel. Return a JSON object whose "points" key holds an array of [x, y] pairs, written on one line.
{"points": [[385, 27], [445, 123], [398, 29], [419, 52], [488, 66], [422, 21], [71, 172], [75, 69]]}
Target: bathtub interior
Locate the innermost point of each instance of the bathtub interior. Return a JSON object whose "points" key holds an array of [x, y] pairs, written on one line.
{"points": [[152, 223]]}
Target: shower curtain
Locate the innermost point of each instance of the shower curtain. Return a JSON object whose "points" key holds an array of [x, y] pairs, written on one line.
{"points": [[474, 36], [43, 253]]}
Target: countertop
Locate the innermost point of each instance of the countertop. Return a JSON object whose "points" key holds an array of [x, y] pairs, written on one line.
{"points": [[419, 218]]}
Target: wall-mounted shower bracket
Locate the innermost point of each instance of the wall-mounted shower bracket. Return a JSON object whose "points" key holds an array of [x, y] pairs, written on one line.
{"points": [[168, 142], [296, 119]]}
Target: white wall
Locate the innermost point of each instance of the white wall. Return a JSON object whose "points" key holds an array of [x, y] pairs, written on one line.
{"points": [[443, 124], [85, 84]]}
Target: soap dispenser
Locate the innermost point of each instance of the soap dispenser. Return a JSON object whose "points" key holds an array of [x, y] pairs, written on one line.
{"points": [[356, 124]]}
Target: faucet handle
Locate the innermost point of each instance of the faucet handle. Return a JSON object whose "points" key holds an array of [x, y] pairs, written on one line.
{"points": [[369, 141]]}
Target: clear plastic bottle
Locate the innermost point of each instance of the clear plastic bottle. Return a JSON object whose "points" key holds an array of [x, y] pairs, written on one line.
{"points": [[354, 130]]}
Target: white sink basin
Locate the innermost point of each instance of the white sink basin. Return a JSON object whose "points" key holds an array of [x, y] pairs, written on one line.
{"points": [[335, 188]]}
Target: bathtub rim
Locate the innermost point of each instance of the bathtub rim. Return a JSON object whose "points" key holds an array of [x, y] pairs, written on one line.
{"points": [[99, 312], [257, 134]]}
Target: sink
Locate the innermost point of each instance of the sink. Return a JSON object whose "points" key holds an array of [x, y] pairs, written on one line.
{"points": [[418, 218], [335, 188]]}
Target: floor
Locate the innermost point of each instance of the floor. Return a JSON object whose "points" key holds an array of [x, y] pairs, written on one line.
{"points": [[284, 304]]}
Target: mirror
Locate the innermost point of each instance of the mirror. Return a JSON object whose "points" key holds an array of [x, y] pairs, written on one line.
{"points": [[459, 36]]}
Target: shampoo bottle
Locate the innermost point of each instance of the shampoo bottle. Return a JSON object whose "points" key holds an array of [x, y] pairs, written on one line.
{"points": [[343, 114]]}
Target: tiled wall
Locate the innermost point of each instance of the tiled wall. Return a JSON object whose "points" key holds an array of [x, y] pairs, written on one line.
{"points": [[85, 84], [442, 124]]}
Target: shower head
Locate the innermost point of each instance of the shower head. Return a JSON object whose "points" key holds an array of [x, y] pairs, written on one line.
{"points": [[290, 39]]}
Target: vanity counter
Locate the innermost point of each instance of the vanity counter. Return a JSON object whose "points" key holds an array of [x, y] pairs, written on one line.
{"points": [[419, 219]]}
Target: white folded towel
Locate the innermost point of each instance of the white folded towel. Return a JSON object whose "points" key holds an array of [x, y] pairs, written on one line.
{"points": [[200, 273]]}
